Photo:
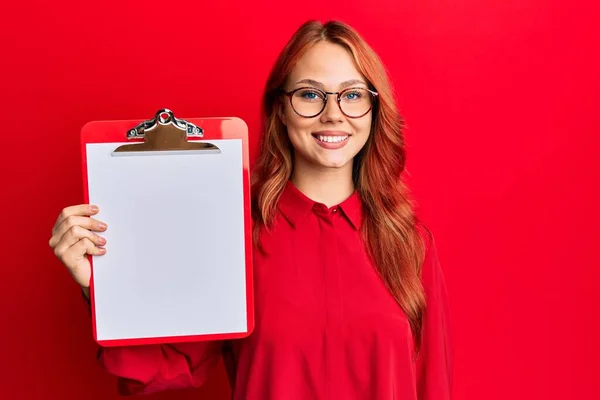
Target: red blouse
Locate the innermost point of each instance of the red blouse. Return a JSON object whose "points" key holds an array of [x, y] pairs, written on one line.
{"points": [[326, 326]]}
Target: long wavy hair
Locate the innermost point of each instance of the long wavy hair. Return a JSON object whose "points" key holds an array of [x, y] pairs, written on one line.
{"points": [[390, 228]]}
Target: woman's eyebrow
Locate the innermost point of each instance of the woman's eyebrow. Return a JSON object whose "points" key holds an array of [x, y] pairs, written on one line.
{"points": [[311, 82], [320, 85], [352, 82]]}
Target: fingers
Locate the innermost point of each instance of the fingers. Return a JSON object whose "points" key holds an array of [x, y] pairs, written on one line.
{"points": [[69, 223], [78, 210], [85, 246], [77, 263], [74, 235]]}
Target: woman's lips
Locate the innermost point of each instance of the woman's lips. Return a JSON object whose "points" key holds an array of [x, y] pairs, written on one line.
{"points": [[331, 140]]}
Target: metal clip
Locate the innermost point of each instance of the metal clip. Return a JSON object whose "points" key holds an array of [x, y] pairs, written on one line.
{"points": [[164, 117]]}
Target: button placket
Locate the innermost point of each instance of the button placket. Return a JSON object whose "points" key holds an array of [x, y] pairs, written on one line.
{"points": [[334, 353]]}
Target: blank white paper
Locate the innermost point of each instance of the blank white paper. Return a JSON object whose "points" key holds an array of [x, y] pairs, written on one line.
{"points": [[175, 260]]}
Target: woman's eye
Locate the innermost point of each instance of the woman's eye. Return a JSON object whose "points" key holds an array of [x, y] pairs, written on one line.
{"points": [[311, 95], [354, 95]]}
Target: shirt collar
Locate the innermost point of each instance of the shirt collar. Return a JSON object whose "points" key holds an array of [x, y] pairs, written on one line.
{"points": [[295, 206]]}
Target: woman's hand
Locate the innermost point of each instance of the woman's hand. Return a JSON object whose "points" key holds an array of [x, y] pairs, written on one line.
{"points": [[73, 238]]}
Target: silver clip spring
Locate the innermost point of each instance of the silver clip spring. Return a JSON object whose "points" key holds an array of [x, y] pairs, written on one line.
{"points": [[164, 117]]}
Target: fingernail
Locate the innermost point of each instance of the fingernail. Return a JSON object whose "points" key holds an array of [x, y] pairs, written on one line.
{"points": [[101, 240], [94, 209], [102, 250], [101, 225]]}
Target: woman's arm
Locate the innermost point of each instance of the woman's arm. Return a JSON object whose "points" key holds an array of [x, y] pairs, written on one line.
{"points": [[435, 360], [144, 369], [154, 368]]}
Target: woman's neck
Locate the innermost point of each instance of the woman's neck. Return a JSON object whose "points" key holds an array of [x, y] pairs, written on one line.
{"points": [[329, 186]]}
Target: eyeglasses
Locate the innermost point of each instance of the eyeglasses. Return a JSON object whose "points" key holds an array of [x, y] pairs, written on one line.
{"points": [[308, 102]]}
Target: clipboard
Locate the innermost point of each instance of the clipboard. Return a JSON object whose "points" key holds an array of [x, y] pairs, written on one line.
{"points": [[175, 195]]}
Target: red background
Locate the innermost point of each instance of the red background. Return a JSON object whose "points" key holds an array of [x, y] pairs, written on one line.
{"points": [[501, 100]]}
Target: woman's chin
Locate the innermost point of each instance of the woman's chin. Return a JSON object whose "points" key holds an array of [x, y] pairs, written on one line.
{"points": [[334, 163], [323, 161]]}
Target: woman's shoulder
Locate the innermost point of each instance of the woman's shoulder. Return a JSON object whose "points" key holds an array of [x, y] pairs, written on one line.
{"points": [[431, 270], [425, 234]]}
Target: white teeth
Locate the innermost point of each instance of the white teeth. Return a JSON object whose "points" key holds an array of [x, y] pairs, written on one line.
{"points": [[332, 139]]}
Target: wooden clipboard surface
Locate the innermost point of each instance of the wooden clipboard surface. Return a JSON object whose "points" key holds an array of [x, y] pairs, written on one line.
{"points": [[214, 129]]}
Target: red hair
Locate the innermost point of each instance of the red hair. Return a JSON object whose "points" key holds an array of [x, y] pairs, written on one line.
{"points": [[390, 228]]}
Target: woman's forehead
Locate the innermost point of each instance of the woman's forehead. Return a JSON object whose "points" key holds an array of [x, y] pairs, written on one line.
{"points": [[327, 63]]}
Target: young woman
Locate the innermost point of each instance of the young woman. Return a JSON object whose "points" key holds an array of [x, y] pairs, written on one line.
{"points": [[350, 297]]}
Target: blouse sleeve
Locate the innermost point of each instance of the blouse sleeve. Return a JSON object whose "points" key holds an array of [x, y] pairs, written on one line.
{"points": [[144, 369], [154, 368], [435, 359]]}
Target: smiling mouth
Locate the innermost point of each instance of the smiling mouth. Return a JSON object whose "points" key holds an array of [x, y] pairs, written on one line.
{"points": [[331, 139], [331, 142]]}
